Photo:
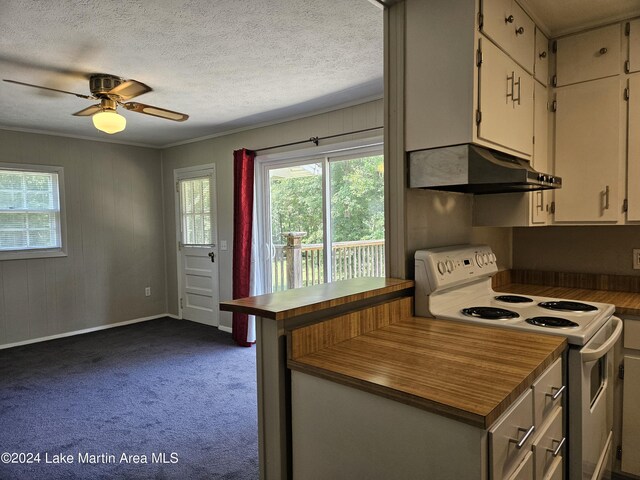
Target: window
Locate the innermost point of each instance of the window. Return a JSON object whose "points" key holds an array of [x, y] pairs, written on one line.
{"points": [[31, 216]]}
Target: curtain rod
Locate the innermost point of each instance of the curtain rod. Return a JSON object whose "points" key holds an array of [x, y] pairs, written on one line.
{"points": [[316, 140]]}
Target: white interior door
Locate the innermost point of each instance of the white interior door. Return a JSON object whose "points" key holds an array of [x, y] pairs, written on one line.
{"points": [[197, 245]]}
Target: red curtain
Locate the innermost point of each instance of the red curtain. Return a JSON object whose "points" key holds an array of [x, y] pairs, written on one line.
{"points": [[242, 222]]}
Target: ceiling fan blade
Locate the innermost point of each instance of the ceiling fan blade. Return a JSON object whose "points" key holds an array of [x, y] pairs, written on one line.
{"points": [[155, 111], [47, 88], [87, 112], [129, 89]]}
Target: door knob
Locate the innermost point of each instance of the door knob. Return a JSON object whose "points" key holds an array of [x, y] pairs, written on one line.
{"points": [[212, 256]]}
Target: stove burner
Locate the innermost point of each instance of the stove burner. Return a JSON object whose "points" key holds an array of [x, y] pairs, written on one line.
{"points": [[568, 306], [513, 299], [552, 322], [489, 313]]}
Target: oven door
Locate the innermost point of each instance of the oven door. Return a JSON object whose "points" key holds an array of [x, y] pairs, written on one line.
{"points": [[591, 404]]}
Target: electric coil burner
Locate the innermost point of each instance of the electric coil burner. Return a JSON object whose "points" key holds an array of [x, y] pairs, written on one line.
{"points": [[552, 322], [513, 299], [489, 313], [568, 306]]}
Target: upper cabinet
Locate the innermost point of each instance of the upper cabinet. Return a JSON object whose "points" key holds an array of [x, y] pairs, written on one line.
{"points": [[464, 87], [541, 58], [633, 165], [505, 101], [588, 55], [589, 154], [507, 24], [633, 64]]}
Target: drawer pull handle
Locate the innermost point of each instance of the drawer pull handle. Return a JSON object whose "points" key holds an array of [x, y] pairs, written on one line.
{"points": [[509, 19], [556, 452], [520, 443], [554, 396], [519, 31], [603, 50], [543, 55]]}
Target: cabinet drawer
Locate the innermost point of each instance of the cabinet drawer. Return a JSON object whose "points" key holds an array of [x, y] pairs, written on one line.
{"points": [[511, 428], [544, 389], [631, 334], [525, 470], [556, 469], [541, 58], [508, 25], [546, 443], [589, 55]]}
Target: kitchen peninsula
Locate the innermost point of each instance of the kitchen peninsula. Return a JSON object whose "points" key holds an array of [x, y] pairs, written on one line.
{"points": [[360, 337]]}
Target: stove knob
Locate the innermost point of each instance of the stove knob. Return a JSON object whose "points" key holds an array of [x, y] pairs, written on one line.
{"points": [[441, 268], [542, 177], [479, 260], [485, 258], [492, 257], [449, 266]]}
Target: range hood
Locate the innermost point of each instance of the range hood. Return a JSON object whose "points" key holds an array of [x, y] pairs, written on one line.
{"points": [[472, 169]]}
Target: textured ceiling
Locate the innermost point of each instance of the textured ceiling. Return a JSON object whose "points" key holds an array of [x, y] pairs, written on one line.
{"points": [[228, 64]]}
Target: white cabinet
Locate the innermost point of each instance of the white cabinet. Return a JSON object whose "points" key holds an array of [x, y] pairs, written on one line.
{"points": [[541, 58], [459, 86], [588, 151], [522, 209], [630, 462], [589, 55], [634, 46], [505, 101], [633, 154], [525, 469], [548, 446], [507, 24]]}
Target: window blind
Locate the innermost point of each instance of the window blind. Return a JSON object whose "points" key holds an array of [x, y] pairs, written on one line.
{"points": [[29, 210]]}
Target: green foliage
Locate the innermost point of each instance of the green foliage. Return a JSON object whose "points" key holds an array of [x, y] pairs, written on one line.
{"points": [[357, 203]]}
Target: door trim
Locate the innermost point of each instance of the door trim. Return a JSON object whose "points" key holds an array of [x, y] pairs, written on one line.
{"points": [[178, 174]]}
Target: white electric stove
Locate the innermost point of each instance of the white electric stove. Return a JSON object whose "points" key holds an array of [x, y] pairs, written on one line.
{"points": [[454, 283]]}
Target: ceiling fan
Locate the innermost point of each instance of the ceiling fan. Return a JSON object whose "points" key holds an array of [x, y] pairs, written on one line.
{"points": [[112, 91]]}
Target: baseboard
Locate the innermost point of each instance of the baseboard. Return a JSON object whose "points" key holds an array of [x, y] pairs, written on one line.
{"points": [[225, 329], [171, 315], [85, 330]]}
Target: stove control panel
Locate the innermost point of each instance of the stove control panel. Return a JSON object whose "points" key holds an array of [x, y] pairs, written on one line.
{"points": [[440, 268]]}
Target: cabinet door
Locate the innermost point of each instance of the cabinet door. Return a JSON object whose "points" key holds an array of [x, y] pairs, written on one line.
{"points": [[588, 129], [541, 58], [589, 55], [634, 45], [633, 166], [548, 440], [539, 199], [505, 100], [524, 470], [508, 25], [631, 416]]}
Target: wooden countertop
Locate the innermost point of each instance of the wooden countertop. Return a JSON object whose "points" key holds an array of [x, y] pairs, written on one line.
{"points": [[627, 303], [463, 371], [299, 301]]}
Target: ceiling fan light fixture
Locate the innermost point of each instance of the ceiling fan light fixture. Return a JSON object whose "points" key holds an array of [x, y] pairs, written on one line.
{"points": [[109, 121]]}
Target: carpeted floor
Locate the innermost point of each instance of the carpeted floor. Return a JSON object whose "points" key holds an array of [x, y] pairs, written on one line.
{"points": [[179, 395]]}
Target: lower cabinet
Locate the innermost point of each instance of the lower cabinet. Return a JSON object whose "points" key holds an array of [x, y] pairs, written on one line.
{"points": [[630, 461], [340, 432]]}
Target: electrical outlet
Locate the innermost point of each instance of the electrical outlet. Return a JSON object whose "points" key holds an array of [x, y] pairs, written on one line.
{"points": [[223, 244], [636, 258], [147, 291]]}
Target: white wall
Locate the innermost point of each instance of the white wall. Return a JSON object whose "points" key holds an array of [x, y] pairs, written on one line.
{"points": [[115, 241], [220, 152]]}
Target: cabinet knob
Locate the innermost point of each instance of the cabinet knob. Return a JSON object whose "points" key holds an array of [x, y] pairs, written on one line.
{"points": [[603, 50], [509, 19], [543, 55], [519, 30]]}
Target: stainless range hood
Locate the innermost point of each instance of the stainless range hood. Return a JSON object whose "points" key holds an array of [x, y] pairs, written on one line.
{"points": [[473, 169]]}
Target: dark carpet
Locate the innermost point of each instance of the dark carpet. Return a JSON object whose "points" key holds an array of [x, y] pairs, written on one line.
{"points": [[178, 395]]}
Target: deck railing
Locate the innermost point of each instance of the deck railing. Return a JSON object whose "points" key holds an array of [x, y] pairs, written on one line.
{"points": [[360, 258]]}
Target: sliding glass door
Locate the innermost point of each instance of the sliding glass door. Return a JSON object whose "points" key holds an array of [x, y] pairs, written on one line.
{"points": [[321, 219]]}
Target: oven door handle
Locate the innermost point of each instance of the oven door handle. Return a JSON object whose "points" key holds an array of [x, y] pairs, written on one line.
{"points": [[589, 355]]}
